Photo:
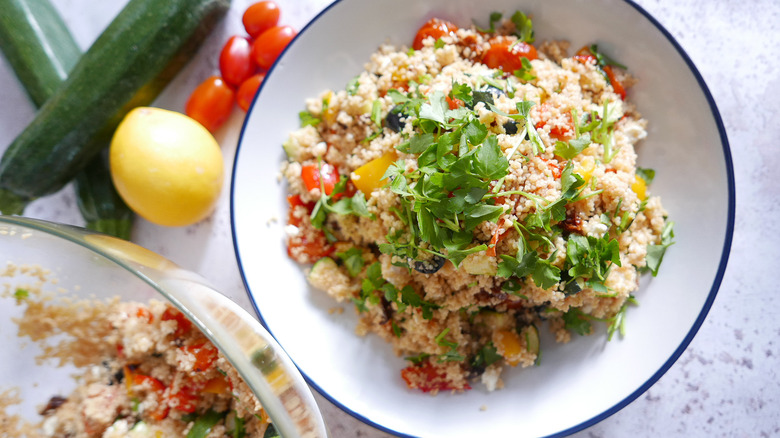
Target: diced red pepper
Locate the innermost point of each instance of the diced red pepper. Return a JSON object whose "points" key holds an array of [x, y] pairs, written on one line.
{"points": [[186, 400], [158, 388], [205, 355], [616, 84], [315, 249], [454, 103], [498, 234], [556, 171], [144, 313], [427, 378], [183, 325]]}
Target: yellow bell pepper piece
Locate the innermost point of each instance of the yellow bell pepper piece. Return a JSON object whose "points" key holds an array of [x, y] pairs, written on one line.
{"points": [[369, 176], [639, 187], [508, 345]]}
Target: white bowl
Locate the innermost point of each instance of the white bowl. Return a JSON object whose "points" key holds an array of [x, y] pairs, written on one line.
{"points": [[577, 384]]}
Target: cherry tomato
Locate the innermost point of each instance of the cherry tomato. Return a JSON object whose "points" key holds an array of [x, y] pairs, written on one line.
{"points": [[616, 84], [508, 55], [211, 103], [435, 28], [270, 44], [312, 173], [235, 61], [247, 90], [260, 17]]}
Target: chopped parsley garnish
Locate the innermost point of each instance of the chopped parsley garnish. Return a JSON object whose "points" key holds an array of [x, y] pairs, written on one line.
{"points": [[655, 253], [573, 147], [601, 126], [353, 260], [486, 356], [308, 118], [21, 294], [648, 175], [356, 205], [618, 322], [589, 258], [352, 85], [375, 287], [452, 354], [495, 17], [524, 74], [239, 430], [577, 321], [204, 423], [603, 60], [447, 196], [524, 27]]}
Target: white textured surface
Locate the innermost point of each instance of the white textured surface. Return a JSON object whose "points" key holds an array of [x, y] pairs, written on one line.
{"points": [[726, 383]]}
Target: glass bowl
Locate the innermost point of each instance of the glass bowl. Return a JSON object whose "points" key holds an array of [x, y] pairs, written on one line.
{"points": [[95, 266]]}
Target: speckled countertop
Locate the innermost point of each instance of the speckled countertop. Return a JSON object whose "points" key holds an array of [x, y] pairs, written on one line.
{"points": [[726, 383]]}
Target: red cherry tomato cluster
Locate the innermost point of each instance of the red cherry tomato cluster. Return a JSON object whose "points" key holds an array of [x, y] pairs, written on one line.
{"points": [[243, 62]]}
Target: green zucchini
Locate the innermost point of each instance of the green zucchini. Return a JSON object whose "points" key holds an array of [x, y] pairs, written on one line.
{"points": [[38, 46], [99, 203], [128, 65], [42, 52]]}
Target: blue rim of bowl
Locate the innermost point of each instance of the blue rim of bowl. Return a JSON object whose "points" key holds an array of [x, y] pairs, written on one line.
{"points": [[688, 338]]}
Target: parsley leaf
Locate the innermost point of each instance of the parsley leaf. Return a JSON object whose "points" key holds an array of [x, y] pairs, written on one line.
{"points": [[590, 257], [573, 147], [435, 108], [495, 17], [603, 60], [646, 174], [486, 356], [308, 118], [655, 253], [576, 320], [352, 85], [542, 271], [618, 322], [524, 73], [21, 294], [353, 260], [524, 28]]}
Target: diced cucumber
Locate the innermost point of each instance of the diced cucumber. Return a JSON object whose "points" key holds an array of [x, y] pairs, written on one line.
{"points": [[532, 339], [480, 264], [322, 272]]}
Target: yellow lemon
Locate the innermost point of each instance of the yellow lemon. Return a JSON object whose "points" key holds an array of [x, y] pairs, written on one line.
{"points": [[166, 166]]}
